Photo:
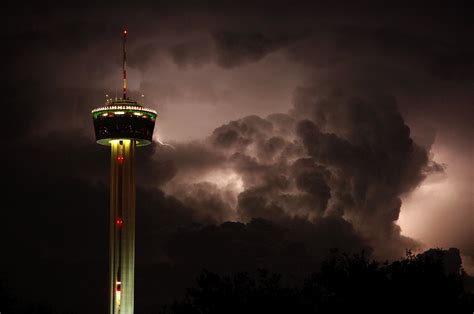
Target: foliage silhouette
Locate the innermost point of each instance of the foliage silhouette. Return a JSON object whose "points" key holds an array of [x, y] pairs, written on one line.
{"points": [[422, 283]]}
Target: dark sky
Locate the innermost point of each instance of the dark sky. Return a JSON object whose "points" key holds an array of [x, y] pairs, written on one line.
{"points": [[285, 130]]}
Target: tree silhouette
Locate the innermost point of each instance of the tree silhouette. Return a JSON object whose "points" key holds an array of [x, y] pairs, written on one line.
{"points": [[422, 283]]}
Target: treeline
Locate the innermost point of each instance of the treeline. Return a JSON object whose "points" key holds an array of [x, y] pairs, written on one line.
{"points": [[431, 282]]}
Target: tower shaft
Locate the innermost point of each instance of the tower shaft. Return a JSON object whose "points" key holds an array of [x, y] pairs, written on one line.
{"points": [[122, 226]]}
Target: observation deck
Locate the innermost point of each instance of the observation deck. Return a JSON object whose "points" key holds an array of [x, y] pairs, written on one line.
{"points": [[123, 119]]}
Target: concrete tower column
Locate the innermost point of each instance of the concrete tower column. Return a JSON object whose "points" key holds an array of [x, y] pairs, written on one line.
{"points": [[122, 226]]}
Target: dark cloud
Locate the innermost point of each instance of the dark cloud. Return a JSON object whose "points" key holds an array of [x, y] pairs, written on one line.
{"points": [[212, 205], [194, 53], [241, 133], [254, 203], [368, 147], [142, 56], [312, 179], [195, 156], [331, 155], [234, 246], [237, 48], [440, 53]]}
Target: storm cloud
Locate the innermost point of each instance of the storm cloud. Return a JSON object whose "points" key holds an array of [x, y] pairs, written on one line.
{"points": [[330, 156]]}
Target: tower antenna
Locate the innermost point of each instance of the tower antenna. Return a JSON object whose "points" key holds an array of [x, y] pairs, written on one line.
{"points": [[124, 64]]}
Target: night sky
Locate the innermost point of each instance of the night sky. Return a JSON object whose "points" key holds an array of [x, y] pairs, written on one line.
{"points": [[283, 131]]}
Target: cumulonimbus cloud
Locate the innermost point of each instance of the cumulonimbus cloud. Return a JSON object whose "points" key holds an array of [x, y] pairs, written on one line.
{"points": [[330, 156]]}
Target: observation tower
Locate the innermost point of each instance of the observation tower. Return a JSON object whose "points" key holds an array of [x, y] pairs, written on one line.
{"points": [[124, 125]]}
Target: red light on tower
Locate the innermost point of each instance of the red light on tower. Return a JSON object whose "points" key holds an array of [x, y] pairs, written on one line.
{"points": [[120, 159], [119, 222]]}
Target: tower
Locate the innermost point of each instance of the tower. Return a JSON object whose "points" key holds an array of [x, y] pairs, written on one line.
{"points": [[124, 125]]}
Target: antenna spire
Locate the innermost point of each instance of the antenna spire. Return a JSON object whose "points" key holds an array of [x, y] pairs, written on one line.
{"points": [[124, 64]]}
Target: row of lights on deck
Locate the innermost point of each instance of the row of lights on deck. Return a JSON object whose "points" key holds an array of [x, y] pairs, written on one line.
{"points": [[123, 112], [138, 108]]}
